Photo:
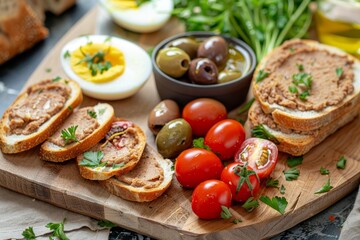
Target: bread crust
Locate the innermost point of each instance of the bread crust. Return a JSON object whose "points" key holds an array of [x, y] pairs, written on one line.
{"points": [[51, 152], [136, 194], [26, 142]]}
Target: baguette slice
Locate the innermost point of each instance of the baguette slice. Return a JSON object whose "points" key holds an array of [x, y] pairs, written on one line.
{"points": [[130, 186], [311, 119], [293, 142], [57, 7], [121, 152], [13, 143], [104, 115]]}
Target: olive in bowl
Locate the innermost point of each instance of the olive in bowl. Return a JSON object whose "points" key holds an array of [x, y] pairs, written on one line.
{"points": [[233, 71]]}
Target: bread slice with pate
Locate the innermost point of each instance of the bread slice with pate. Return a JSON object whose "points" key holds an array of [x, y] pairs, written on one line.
{"points": [[146, 182], [305, 85], [82, 130], [118, 153], [294, 142], [37, 113]]}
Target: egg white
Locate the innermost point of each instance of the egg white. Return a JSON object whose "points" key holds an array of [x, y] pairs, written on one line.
{"points": [[149, 17], [137, 70]]}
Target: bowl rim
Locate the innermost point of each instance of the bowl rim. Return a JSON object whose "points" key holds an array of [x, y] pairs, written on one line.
{"points": [[195, 34]]}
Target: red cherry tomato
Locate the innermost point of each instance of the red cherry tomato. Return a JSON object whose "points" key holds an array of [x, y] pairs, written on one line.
{"points": [[203, 113], [260, 154], [196, 165], [225, 138], [208, 197], [230, 176]]}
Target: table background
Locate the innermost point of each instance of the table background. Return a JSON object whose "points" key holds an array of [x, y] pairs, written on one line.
{"points": [[13, 75]]}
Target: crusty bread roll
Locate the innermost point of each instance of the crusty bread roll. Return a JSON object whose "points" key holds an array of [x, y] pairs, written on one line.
{"points": [[295, 118], [20, 28], [38, 7], [121, 150], [146, 182], [92, 124], [18, 126]]}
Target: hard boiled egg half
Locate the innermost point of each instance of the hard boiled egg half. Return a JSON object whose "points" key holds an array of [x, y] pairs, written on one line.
{"points": [[139, 16], [106, 68]]}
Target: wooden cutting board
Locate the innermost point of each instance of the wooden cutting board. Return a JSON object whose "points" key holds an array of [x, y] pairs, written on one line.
{"points": [[170, 216]]}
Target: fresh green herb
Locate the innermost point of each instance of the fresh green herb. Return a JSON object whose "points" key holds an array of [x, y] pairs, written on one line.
{"points": [[56, 79], [325, 188], [341, 163], [270, 182], [199, 143], [236, 221], [114, 166], [107, 39], [261, 75], [294, 161], [250, 204], [304, 94], [58, 230], [282, 189], [291, 174], [339, 71], [291, 49], [66, 81], [246, 107], [70, 108], [139, 2], [93, 159], [302, 78], [262, 24], [225, 212], [244, 175], [29, 234], [91, 114], [106, 224], [277, 203], [293, 89], [96, 63], [48, 70], [67, 54], [261, 132], [69, 134], [150, 51], [324, 171], [101, 111], [300, 67]]}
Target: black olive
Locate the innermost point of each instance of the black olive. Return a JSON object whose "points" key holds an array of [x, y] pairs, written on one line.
{"points": [[214, 48], [203, 71]]}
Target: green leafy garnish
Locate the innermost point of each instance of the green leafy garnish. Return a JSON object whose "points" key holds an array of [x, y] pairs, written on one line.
{"points": [[339, 71], [58, 230], [246, 107], [108, 39], [244, 175], [260, 132], [282, 189], [270, 182], [304, 95], [70, 108], [93, 159], [300, 67], [48, 70], [236, 221], [67, 54], [106, 224], [139, 2], [324, 171], [291, 174], [302, 78], [69, 134], [199, 143], [325, 188], [225, 212], [294, 161], [114, 166], [293, 89], [150, 51], [341, 163], [250, 204], [101, 111], [96, 63], [277, 203], [261, 75], [91, 114], [56, 79], [29, 234]]}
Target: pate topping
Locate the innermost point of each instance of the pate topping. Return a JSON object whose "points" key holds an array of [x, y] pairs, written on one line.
{"points": [[44, 100], [302, 77]]}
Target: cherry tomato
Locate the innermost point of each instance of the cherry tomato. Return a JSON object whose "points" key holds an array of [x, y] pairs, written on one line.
{"points": [[208, 197], [196, 165], [203, 113], [230, 176], [225, 138], [260, 154]]}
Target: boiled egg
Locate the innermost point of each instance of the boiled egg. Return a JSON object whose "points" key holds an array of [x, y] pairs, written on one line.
{"points": [[106, 68], [149, 16]]}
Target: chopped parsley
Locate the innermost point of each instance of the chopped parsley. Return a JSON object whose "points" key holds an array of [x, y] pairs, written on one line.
{"points": [[300, 67], [115, 166], [324, 171], [339, 71], [304, 95], [101, 111], [261, 75], [325, 188], [291, 174], [199, 143], [270, 182], [282, 189], [70, 108], [48, 70], [260, 132], [299, 79], [93, 159], [58, 230], [108, 39], [293, 89], [294, 161], [277, 203], [246, 107], [56, 79], [106, 224], [69, 134], [29, 234], [91, 114], [67, 54], [341, 163], [250, 204], [96, 63]]}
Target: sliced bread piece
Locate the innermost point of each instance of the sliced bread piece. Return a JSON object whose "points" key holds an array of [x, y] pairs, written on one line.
{"points": [[305, 84], [37, 113], [92, 123], [117, 154], [146, 182], [290, 141]]}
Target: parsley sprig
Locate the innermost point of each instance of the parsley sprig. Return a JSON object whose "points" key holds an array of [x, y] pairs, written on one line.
{"points": [[106, 224], [261, 132], [29, 234], [325, 188], [294, 161], [199, 143], [303, 80], [270, 182], [58, 230], [92, 114], [277, 203], [250, 204], [324, 171], [96, 63], [291, 174], [341, 163], [93, 159], [261, 75], [69, 134]]}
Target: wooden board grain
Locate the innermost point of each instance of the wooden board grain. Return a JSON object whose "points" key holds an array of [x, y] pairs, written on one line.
{"points": [[170, 216]]}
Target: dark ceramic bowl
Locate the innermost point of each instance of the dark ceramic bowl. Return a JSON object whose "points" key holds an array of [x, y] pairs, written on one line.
{"points": [[231, 94]]}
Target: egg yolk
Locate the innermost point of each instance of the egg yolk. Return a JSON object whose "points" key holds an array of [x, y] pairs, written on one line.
{"points": [[98, 63], [123, 4]]}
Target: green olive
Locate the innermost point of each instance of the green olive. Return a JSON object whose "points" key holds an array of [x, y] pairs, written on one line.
{"points": [[173, 61], [228, 75], [173, 138], [189, 45]]}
